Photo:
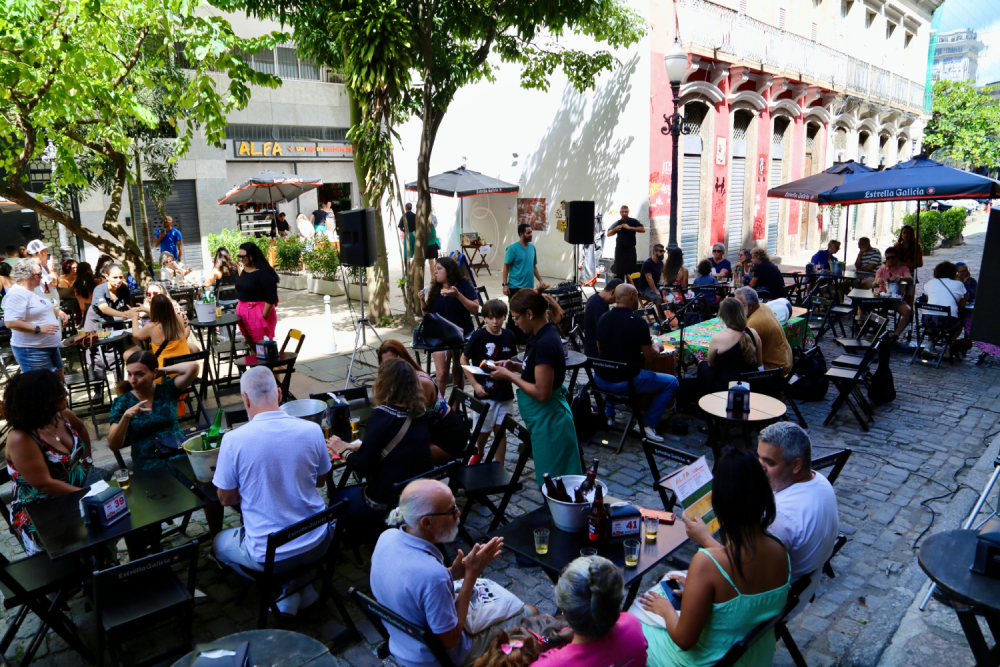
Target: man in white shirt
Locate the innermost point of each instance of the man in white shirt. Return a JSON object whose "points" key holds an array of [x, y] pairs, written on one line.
{"points": [[271, 468], [944, 290], [807, 517]]}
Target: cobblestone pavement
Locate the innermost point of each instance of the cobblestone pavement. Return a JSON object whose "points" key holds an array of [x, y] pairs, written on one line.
{"points": [[897, 486]]}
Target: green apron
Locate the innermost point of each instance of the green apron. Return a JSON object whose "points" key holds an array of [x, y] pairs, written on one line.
{"points": [[553, 435]]}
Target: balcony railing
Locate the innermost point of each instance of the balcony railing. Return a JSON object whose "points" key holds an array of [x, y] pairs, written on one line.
{"points": [[710, 26]]}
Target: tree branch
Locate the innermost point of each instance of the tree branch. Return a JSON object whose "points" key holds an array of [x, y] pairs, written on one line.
{"points": [[136, 52]]}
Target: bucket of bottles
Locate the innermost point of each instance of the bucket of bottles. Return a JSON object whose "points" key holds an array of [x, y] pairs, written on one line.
{"points": [[572, 517], [205, 311], [203, 461]]}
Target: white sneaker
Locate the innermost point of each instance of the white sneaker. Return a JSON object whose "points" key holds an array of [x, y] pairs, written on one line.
{"points": [[309, 597], [651, 435], [289, 606]]}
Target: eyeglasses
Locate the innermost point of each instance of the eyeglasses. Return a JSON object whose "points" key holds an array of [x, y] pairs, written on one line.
{"points": [[453, 512], [716, 252], [242, 256]]}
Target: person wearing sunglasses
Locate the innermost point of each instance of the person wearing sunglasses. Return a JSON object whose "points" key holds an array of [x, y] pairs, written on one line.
{"points": [[721, 267], [396, 447], [257, 292], [33, 321]]}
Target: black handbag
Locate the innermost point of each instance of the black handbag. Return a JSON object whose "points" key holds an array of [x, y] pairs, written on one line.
{"points": [[436, 331], [167, 446]]}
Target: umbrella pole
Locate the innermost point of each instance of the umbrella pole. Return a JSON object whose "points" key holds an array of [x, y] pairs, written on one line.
{"points": [[847, 222], [916, 243]]}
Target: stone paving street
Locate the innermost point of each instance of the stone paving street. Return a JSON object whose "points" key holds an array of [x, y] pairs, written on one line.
{"points": [[917, 471]]}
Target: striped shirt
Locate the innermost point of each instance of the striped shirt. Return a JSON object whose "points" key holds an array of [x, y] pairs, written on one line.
{"points": [[871, 256]]}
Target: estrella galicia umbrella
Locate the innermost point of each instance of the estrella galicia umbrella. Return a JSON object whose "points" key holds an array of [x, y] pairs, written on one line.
{"points": [[463, 183], [819, 188], [271, 187]]}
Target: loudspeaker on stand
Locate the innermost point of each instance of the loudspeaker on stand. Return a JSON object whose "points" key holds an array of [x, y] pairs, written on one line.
{"points": [[357, 237], [579, 222]]}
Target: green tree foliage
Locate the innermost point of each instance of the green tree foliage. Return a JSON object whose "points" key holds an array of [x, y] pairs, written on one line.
{"points": [[965, 126], [79, 74], [412, 56]]}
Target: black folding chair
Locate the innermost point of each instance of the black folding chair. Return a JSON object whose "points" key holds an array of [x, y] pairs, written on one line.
{"points": [[936, 328], [270, 583], [873, 328], [836, 461], [356, 397], [235, 417], [629, 401], [654, 450], [823, 317], [795, 376], [379, 616], [848, 383], [490, 478], [474, 411], [41, 586], [136, 597]]}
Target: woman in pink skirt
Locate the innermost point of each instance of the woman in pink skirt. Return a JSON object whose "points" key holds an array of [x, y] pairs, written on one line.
{"points": [[257, 291]]}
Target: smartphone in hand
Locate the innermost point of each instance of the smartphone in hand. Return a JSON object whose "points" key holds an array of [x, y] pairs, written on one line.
{"points": [[671, 590]]}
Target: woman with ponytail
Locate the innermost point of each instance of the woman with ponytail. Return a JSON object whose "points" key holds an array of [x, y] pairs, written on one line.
{"points": [[731, 352], [541, 397]]}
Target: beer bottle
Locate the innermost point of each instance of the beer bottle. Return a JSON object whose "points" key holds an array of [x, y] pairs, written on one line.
{"points": [[591, 481], [550, 486], [561, 493], [578, 496], [598, 519]]}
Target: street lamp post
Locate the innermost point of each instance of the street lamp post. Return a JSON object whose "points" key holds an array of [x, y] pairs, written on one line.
{"points": [[675, 63]]}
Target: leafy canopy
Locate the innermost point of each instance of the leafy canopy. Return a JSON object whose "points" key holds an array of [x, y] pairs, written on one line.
{"points": [[965, 127]]}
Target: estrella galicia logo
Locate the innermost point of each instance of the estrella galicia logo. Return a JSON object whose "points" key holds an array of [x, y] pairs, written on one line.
{"points": [[931, 191]]}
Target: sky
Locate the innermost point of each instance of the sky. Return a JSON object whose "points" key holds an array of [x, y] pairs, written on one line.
{"points": [[983, 16]]}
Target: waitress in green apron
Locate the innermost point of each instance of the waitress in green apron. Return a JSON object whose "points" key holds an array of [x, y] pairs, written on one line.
{"points": [[541, 397]]}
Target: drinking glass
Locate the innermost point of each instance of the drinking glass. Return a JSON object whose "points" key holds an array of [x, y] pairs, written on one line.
{"points": [[632, 552], [541, 541], [121, 476], [650, 525], [588, 551], [355, 426]]}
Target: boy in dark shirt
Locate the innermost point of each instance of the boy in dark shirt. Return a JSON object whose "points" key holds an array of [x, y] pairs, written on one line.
{"points": [[491, 343]]}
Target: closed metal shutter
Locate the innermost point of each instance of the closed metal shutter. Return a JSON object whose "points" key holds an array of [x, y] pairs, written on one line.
{"points": [[835, 214], [182, 206], [690, 209], [772, 212], [737, 180]]}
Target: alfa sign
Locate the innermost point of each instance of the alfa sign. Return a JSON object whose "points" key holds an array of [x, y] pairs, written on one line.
{"points": [[257, 150]]}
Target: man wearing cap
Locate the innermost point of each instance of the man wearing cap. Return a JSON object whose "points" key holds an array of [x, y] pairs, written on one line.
{"points": [[169, 239]]}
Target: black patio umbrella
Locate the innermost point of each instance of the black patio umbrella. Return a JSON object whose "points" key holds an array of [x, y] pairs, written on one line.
{"points": [[271, 187], [819, 188], [463, 183]]}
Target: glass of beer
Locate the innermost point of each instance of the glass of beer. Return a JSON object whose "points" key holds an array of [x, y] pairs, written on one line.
{"points": [[121, 476], [218, 310], [355, 426], [541, 541], [650, 526], [632, 552]]}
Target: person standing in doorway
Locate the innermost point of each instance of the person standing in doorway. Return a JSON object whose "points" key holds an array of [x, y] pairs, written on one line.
{"points": [[520, 270], [169, 239], [320, 215], [625, 257]]}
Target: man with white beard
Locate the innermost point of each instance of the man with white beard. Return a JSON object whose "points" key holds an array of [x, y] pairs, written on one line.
{"points": [[409, 577]]}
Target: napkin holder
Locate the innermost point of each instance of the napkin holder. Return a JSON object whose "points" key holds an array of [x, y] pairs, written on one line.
{"points": [[738, 401], [624, 521], [104, 508], [987, 561], [267, 349], [217, 654]]}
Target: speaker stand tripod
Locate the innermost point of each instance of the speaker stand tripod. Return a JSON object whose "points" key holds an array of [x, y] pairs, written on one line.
{"points": [[360, 338]]}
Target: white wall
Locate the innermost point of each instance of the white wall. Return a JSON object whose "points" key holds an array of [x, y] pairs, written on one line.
{"points": [[570, 146]]}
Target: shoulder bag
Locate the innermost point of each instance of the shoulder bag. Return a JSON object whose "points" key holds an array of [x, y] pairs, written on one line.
{"points": [[384, 507]]}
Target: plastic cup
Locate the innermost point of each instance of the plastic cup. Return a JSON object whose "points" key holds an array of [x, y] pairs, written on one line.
{"points": [[650, 525], [588, 551], [541, 541], [632, 552], [121, 477]]}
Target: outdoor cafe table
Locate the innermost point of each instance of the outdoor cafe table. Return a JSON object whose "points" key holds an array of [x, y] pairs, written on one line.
{"points": [[153, 496], [698, 336], [228, 321], [277, 648], [763, 410], [116, 341], [519, 536]]}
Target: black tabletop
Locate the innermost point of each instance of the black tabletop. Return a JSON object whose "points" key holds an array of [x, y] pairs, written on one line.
{"points": [[252, 360], [113, 337], [274, 648], [519, 537], [153, 496], [946, 558], [226, 319], [206, 490]]}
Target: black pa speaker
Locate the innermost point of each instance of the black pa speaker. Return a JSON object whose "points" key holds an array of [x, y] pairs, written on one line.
{"points": [[579, 222], [357, 237], [986, 317]]}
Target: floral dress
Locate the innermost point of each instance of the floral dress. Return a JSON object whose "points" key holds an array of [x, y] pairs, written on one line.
{"points": [[146, 428], [62, 466]]}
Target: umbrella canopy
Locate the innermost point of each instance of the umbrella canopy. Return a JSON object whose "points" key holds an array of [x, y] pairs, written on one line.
{"points": [[919, 178], [819, 187], [464, 183], [270, 187]]}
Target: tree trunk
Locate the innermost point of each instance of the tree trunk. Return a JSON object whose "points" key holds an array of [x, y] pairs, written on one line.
{"points": [[147, 240], [378, 294]]}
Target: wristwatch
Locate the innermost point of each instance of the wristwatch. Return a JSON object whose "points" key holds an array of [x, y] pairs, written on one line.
{"points": [[503, 284], [38, 329]]}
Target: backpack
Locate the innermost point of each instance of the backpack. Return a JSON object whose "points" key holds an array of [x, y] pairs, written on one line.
{"points": [[810, 383], [883, 387], [586, 420]]}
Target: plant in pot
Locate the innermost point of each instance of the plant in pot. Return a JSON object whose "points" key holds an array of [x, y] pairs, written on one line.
{"points": [[951, 226], [930, 222], [289, 262], [322, 262]]}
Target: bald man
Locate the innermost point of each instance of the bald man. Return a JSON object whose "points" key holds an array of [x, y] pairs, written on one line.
{"points": [[623, 336]]}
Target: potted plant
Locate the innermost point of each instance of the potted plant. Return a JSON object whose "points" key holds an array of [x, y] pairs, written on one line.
{"points": [[951, 225], [289, 262], [322, 261]]}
